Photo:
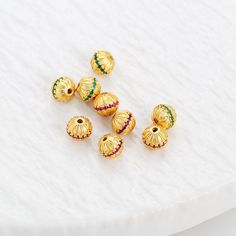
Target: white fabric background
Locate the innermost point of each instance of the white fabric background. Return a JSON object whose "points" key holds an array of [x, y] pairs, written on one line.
{"points": [[223, 224], [181, 53]]}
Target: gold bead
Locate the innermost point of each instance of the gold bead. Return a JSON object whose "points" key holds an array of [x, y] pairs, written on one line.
{"points": [[79, 127], [106, 104], [110, 145], [123, 122], [63, 89], [102, 62], [154, 136], [164, 116], [88, 88]]}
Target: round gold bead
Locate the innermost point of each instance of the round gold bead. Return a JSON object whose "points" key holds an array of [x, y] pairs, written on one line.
{"points": [[102, 62], [164, 116], [63, 89], [79, 127], [110, 145], [123, 122], [154, 136], [106, 104], [88, 88]]}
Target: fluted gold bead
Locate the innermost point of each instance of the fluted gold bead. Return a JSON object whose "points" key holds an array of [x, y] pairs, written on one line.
{"points": [[110, 145], [164, 116], [88, 88], [155, 136], [63, 89], [106, 104], [79, 127], [123, 122], [102, 62]]}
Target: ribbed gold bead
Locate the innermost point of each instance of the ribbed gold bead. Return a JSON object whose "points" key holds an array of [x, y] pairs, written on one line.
{"points": [[123, 122], [63, 89], [155, 136], [79, 127], [164, 116], [88, 88], [106, 104], [102, 62], [110, 145]]}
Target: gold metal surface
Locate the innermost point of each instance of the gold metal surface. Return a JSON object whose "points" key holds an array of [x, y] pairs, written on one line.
{"points": [[79, 127], [164, 116], [123, 122], [102, 62], [63, 89], [106, 104], [155, 136], [88, 88], [110, 145]]}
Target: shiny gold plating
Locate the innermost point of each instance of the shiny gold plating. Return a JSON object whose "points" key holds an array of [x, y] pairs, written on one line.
{"points": [[155, 136], [102, 62], [106, 104], [110, 145], [88, 88], [123, 122], [164, 116], [63, 89], [79, 127]]}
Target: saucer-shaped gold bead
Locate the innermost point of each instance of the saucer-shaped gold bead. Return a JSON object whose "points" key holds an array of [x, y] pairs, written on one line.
{"points": [[88, 88], [79, 127], [123, 122], [164, 116], [63, 89], [102, 62], [106, 104], [110, 145], [154, 136]]}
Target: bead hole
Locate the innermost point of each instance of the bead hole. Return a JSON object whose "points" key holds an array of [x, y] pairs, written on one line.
{"points": [[80, 121], [69, 91], [104, 139], [155, 129]]}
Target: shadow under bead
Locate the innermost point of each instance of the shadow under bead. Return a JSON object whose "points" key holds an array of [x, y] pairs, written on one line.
{"points": [[88, 88], [154, 136], [164, 116], [106, 104], [79, 127], [110, 145], [63, 89], [102, 62], [123, 122]]}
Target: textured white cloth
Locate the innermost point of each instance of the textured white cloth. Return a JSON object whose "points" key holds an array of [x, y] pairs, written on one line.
{"points": [[181, 53]]}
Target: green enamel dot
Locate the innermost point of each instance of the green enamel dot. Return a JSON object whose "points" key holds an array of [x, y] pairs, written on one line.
{"points": [[98, 64], [170, 115], [92, 90]]}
